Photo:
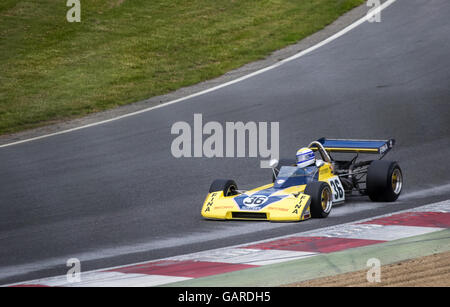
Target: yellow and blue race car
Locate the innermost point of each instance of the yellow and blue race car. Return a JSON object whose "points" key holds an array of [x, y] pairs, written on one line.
{"points": [[298, 193]]}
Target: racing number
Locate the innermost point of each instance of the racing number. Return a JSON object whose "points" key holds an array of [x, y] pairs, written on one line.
{"points": [[255, 200], [337, 189]]}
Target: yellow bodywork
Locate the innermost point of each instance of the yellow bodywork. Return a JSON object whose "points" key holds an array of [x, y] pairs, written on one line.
{"points": [[293, 206]]}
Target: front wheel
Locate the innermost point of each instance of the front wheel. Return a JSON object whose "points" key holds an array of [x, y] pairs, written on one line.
{"points": [[227, 186], [321, 198], [384, 181]]}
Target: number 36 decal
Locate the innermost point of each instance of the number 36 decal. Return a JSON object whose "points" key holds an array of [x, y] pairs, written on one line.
{"points": [[338, 190]]}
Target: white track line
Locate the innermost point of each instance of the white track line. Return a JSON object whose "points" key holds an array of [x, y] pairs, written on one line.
{"points": [[236, 253], [368, 16]]}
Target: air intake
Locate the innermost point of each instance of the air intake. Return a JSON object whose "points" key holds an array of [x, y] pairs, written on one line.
{"points": [[249, 215]]}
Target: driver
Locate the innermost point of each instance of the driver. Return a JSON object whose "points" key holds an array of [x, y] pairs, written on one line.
{"points": [[305, 157]]}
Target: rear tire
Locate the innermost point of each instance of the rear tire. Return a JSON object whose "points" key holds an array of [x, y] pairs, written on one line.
{"points": [[321, 198], [384, 181], [227, 186]]}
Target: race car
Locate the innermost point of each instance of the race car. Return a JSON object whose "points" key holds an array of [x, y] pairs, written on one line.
{"points": [[299, 193]]}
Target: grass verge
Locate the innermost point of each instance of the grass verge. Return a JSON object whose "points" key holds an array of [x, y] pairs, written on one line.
{"points": [[124, 51]]}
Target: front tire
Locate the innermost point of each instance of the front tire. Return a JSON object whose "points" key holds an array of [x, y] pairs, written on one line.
{"points": [[227, 186], [384, 181], [321, 198]]}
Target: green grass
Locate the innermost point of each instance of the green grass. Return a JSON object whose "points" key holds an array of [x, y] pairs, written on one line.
{"points": [[124, 51]]}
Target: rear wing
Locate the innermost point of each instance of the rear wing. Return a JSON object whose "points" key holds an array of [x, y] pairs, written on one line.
{"points": [[358, 146]]}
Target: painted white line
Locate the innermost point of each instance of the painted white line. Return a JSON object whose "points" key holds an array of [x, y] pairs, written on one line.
{"points": [[425, 192], [245, 256], [108, 279], [374, 232], [443, 207], [368, 16]]}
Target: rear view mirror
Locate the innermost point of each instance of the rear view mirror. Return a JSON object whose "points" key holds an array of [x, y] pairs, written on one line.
{"points": [[319, 163], [273, 163]]}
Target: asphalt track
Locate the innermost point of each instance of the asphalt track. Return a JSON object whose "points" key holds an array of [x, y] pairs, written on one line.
{"points": [[113, 194]]}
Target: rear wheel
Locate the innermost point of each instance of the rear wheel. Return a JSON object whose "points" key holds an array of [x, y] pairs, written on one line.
{"points": [[384, 181], [227, 186], [321, 198]]}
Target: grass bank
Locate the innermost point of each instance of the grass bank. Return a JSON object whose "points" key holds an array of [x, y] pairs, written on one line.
{"points": [[124, 51]]}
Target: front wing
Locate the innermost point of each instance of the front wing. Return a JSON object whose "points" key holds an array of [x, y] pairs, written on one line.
{"points": [[289, 208]]}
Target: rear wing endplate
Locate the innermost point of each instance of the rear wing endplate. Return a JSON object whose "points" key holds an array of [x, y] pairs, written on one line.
{"points": [[358, 146]]}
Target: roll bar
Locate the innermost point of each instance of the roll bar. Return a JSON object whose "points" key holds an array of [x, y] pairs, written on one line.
{"points": [[315, 145]]}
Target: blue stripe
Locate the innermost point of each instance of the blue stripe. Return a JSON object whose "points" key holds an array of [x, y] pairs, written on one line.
{"points": [[239, 200], [352, 144]]}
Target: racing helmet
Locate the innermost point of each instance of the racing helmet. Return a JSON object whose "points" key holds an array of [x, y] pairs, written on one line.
{"points": [[305, 157]]}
